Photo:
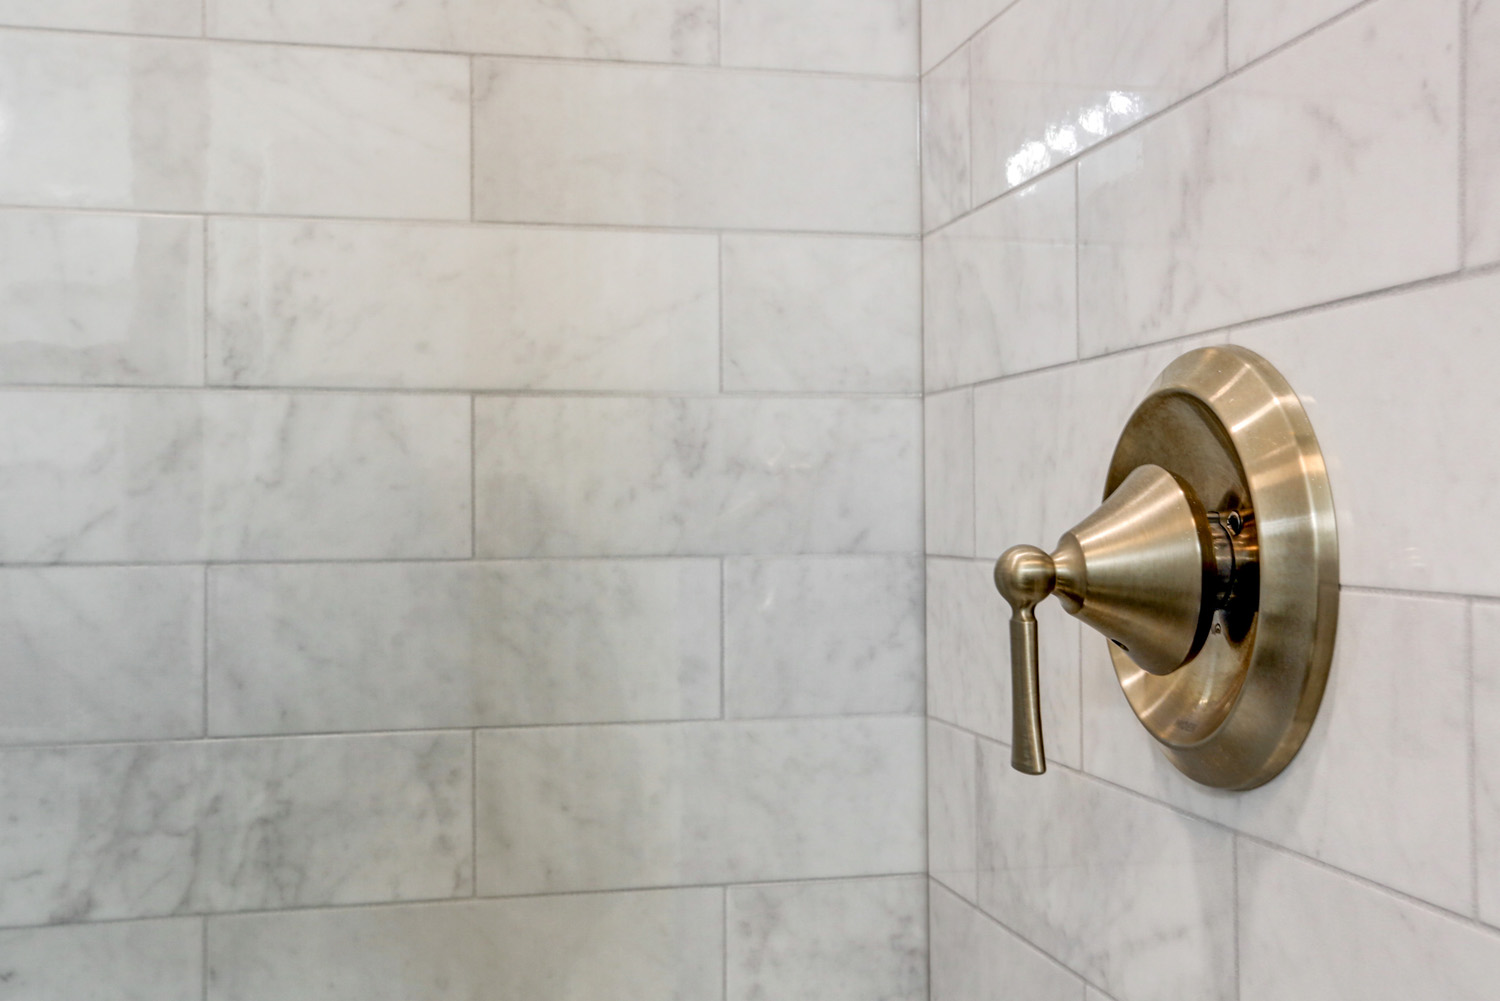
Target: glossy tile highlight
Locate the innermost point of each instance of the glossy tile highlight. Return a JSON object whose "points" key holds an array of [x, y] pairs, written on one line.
{"points": [[822, 314], [1052, 79], [1283, 188], [109, 122], [975, 959], [593, 808], [838, 36], [520, 308], [834, 636], [659, 946], [650, 30], [101, 299], [316, 649], [101, 653], [156, 960], [697, 476], [681, 147], [835, 941]]}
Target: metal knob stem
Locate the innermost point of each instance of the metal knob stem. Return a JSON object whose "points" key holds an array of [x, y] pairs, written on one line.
{"points": [[1024, 576]]}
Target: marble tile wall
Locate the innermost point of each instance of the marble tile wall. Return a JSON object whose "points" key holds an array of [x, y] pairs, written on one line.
{"points": [[1105, 187], [461, 500]]}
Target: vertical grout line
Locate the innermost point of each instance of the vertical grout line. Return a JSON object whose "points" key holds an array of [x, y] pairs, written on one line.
{"points": [[968, 57], [723, 637], [474, 812], [724, 945], [473, 477], [1463, 133], [203, 314], [473, 151], [1077, 262], [1226, 36], [1472, 655], [207, 618], [203, 955], [719, 35], [1234, 851], [723, 357], [1082, 716]]}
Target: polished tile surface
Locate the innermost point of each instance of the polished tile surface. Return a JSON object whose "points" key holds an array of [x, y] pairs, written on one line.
{"points": [[822, 314], [100, 299], [833, 941], [945, 142], [111, 122], [1129, 894], [592, 808], [839, 36], [948, 428], [146, 960], [1329, 171], [659, 946], [1001, 287], [952, 756], [822, 637], [101, 653], [1306, 931], [328, 648], [650, 30], [683, 147], [152, 17], [697, 476], [947, 24], [353, 304], [1258, 26], [1485, 644], [975, 959], [1482, 134], [1051, 79]]}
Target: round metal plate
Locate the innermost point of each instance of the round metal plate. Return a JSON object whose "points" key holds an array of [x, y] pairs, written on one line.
{"points": [[1226, 422]]}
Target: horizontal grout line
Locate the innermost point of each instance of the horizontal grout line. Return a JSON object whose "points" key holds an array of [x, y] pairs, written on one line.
{"points": [[564, 60], [444, 392], [444, 560], [1025, 941]]}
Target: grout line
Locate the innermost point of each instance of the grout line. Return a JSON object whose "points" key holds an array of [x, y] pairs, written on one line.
{"points": [[1463, 132], [723, 357], [206, 312], [203, 955], [473, 813], [462, 561], [723, 638], [440, 393], [724, 969], [1226, 35], [473, 146], [1472, 652], [473, 478], [1078, 262], [207, 619], [1234, 875]]}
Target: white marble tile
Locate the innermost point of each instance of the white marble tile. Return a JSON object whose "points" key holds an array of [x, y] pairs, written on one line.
{"points": [[1327, 171], [822, 314], [1309, 932], [697, 476], [687, 147], [951, 805], [592, 808], [1407, 442], [975, 959], [830, 941], [1258, 26], [968, 651], [101, 299], [947, 24], [151, 17], [1482, 134], [1381, 787], [840, 36], [142, 830], [318, 649], [434, 306], [110, 122], [1051, 79], [1001, 287], [948, 429], [1485, 646], [656, 946], [101, 653], [945, 142], [651, 30], [822, 637], [1133, 896], [133, 961]]}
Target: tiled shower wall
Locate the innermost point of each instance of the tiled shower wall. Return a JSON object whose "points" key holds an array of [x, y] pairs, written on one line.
{"points": [[1106, 186], [460, 500]]}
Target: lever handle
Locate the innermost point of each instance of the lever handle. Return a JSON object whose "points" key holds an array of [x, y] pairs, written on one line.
{"points": [[1025, 576]]}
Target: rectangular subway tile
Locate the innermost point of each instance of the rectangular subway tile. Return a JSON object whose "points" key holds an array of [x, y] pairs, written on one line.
{"points": [[1000, 287], [1484, 642], [952, 756], [1051, 79], [836, 941], [839, 36], [593, 808], [150, 17], [948, 430], [1431, 453], [660, 146], [1327, 171], [697, 476], [1128, 893], [656, 946], [310, 648], [1381, 786], [947, 24], [1306, 931], [143, 830], [1258, 26], [975, 959], [130, 961], [519, 308], [100, 299], [111, 122], [945, 142], [101, 653], [650, 30], [823, 637], [1482, 133], [822, 314]]}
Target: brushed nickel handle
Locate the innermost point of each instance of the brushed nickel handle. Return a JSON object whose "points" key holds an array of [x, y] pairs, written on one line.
{"points": [[1025, 576]]}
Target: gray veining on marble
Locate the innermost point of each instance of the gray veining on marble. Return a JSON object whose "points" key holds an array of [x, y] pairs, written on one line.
{"points": [[975, 959], [828, 941], [128, 961], [593, 808], [822, 637], [838, 36]]}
